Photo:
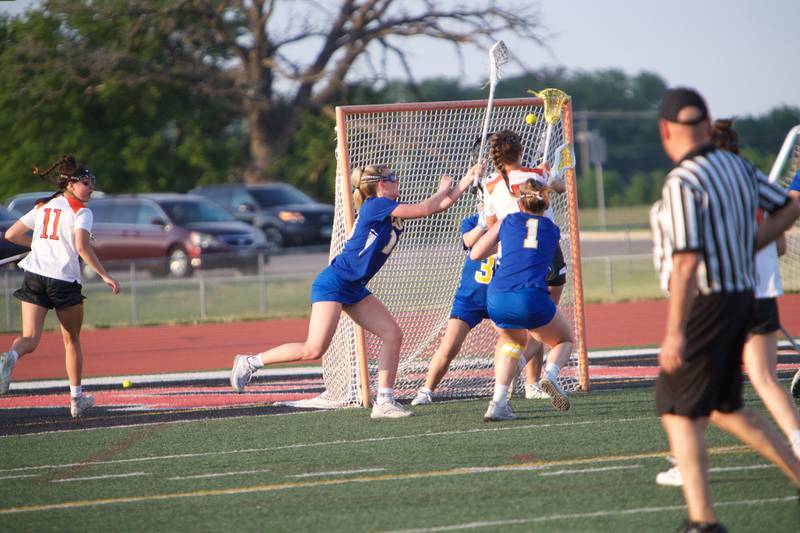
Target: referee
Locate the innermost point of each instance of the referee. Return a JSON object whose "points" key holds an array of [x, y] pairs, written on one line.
{"points": [[705, 236]]}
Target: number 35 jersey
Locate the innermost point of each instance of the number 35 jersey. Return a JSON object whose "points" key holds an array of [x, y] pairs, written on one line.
{"points": [[374, 236], [53, 252], [528, 243]]}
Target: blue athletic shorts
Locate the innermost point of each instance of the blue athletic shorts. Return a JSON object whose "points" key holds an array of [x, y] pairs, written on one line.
{"points": [[468, 312], [520, 309], [330, 287]]}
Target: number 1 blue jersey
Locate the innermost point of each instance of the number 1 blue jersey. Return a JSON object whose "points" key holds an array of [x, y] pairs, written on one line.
{"points": [[528, 243], [374, 236], [476, 274]]}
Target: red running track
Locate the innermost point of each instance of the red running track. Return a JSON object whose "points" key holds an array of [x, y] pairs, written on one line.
{"points": [[186, 348]]}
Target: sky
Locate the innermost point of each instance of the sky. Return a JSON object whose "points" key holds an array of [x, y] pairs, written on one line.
{"points": [[742, 55]]}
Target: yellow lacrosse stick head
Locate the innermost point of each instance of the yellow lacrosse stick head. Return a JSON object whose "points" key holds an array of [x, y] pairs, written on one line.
{"points": [[554, 100]]}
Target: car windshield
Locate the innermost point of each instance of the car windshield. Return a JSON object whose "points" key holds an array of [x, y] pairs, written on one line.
{"points": [[190, 211], [272, 196], [6, 215]]}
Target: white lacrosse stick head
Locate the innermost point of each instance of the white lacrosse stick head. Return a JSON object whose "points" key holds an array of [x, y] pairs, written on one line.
{"points": [[498, 56]]}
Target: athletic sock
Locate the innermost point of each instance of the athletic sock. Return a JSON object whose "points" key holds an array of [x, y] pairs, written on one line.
{"points": [[552, 371], [385, 395], [500, 394], [426, 390], [14, 356], [75, 391], [794, 440], [255, 361]]}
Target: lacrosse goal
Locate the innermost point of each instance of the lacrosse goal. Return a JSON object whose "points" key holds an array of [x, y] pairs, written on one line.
{"points": [[783, 170], [421, 142]]}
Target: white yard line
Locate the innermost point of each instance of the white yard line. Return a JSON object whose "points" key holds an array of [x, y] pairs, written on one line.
{"points": [[325, 443], [220, 474], [338, 473], [574, 516], [107, 476], [588, 470]]}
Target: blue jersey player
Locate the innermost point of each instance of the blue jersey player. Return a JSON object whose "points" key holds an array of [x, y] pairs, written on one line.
{"points": [[342, 286], [518, 300], [469, 308]]}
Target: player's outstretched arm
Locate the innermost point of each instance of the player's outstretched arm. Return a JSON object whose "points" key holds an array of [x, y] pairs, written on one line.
{"points": [[486, 245], [442, 199]]}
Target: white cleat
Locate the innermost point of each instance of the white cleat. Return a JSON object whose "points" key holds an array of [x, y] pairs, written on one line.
{"points": [[795, 386], [497, 412], [241, 373], [7, 362], [390, 409], [534, 392], [670, 478], [78, 406], [422, 398], [558, 397]]}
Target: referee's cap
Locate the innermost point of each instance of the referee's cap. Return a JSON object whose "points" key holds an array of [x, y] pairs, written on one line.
{"points": [[676, 100]]}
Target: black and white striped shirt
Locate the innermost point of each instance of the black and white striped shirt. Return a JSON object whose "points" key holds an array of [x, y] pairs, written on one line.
{"points": [[709, 205]]}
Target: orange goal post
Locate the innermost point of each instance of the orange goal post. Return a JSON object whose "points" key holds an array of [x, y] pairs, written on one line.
{"points": [[421, 142]]}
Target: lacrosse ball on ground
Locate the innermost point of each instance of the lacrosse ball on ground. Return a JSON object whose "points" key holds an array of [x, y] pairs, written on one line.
{"points": [[127, 384], [530, 118]]}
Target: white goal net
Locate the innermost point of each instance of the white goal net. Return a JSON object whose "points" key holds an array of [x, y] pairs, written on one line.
{"points": [[783, 170], [421, 142]]}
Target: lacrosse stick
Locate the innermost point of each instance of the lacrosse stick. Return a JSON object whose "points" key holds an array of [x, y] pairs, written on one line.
{"points": [[563, 160], [498, 56], [554, 100], [13, 258]]}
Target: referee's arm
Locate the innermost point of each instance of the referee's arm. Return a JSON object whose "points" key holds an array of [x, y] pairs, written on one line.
{"points": [[682, 290]]}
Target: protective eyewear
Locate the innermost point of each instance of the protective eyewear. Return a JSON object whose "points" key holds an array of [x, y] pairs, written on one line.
{"points": [[391, 177], [84, 176]]}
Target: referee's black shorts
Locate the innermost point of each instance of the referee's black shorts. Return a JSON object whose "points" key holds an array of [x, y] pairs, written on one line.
{"points": [[710, 378]]}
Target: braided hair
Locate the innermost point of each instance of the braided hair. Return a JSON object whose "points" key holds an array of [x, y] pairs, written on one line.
{"points": [[64, 170], [505, 148]]}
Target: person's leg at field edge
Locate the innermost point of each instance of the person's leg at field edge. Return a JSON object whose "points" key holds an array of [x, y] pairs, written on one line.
{"points": [[321, 327], [533, 370], [687, 443], [750, 428], [761, 361], [454, 334], [71, 319], [32, 324]]}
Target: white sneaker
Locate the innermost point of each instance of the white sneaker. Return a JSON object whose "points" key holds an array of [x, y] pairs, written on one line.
{"points": [[795, 386], [423, 398], [558, 397], [497, 412], [534, 392], [78, 406], [241, 373], [7, 362], [390, 409], [796, 449], [670, 478]]}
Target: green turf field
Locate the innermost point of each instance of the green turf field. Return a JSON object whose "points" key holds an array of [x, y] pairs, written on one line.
{"points": [[590, 469]]}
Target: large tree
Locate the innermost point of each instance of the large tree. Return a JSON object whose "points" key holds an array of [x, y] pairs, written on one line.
{"points": [[272, 60]]}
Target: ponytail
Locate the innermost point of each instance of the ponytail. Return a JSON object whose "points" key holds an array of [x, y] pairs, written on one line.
{"points": [[363, 189], [59, 173], [724, 136], [505, 148]]}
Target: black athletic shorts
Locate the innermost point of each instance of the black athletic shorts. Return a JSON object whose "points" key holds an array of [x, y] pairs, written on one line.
{"points": [[710, 378], [49, 292], [766, 319], [558, 269]]}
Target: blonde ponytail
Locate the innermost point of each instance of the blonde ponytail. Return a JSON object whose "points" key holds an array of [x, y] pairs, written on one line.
{"points": [[363, 189]]}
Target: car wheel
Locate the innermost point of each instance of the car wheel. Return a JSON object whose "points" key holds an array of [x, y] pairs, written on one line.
{"points": [[274, 239], [178, 265]]}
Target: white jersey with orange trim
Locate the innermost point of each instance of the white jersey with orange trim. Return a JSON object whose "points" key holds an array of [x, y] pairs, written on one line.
{"points": [[498, 200], [53, 252]]}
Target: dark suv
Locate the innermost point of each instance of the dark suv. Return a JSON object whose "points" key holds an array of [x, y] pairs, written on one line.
{"points": [[287, 215], [7, 248], [173, 234]]}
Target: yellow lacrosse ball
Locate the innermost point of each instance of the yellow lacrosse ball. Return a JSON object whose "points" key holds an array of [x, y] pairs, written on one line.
{"points": [[530, 118], [127, 384]]}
